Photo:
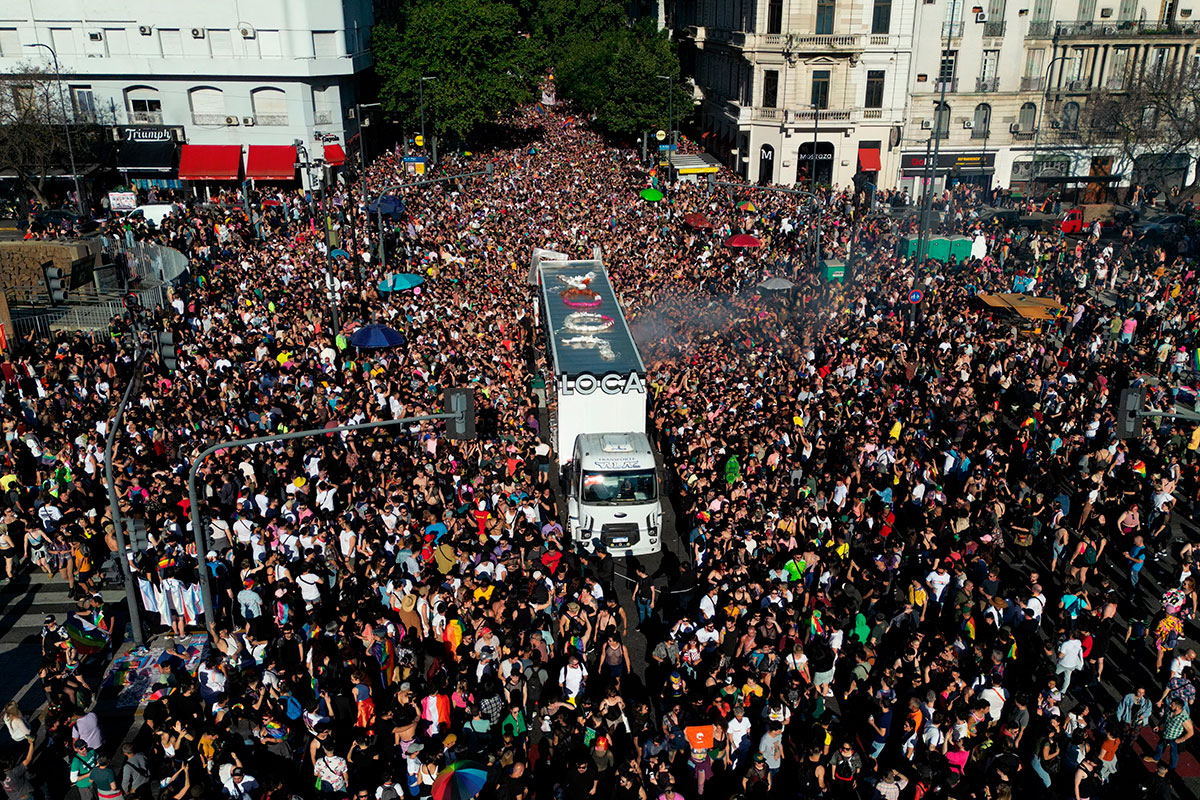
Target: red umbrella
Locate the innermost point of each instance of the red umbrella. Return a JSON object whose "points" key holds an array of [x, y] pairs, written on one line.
{"points": [[697, 221], [742, 240]]}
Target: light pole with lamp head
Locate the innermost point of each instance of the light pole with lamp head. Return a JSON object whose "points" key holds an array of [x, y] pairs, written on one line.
{"points": [[1041, 114], [334, 291], [421, 94], [66, 123], [670, 117]]}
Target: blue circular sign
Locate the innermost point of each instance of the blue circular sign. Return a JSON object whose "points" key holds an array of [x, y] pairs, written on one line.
{"points": [[915, 296]]}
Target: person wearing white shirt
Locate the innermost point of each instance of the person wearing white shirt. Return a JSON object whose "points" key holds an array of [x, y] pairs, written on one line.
{"points": [[1070, 658]]}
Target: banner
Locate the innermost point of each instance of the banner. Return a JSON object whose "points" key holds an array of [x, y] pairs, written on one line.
{"points": [[122, 201]]}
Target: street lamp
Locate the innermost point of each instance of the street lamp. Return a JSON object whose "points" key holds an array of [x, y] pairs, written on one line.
{"points": [[66, 123], [362, 144], [1041, 113], [302, 154], [812, 166], [421, 92], [670, 105]]}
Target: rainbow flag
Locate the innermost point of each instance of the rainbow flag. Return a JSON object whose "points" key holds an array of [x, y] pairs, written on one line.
{"points": [[1139, 467], [815, 626], [85, 636], [1030, 422]]}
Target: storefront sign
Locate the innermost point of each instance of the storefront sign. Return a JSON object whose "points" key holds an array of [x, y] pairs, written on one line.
{"points": [[149, 133], [914, 163], [612, 383]]}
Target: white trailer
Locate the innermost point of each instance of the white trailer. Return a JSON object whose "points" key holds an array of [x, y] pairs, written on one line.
{"points": [[598, 411]]}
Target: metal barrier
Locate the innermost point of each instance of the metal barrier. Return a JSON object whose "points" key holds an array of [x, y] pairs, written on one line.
{"points": [[147, 259]]}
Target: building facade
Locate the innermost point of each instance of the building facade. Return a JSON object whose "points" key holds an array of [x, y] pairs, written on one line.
{"points": [[224, 73], [989, 87], [1002, 91], [787, 87]]}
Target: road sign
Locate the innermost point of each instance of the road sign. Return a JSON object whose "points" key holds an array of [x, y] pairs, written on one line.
{"points": [[915, 296], [660, 135], [666, 148], [419, 140]]}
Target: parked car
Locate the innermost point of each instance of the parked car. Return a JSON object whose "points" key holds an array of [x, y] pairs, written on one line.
{"points": [[154, 213], [62, 218], [1167, 225]]}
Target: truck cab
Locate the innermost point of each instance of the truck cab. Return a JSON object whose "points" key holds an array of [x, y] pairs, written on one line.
{"points": [[613, 495]]}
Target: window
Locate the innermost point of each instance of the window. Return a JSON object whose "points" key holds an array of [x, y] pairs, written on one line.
{"points": [[770, 94], [270, 106], [208, 106], [221, 42], [269, 44], [949, 61], [874, 98], [1070, 116], [1128, 10], [1160, 60], [1087, 11], [63, 41], [1033, 62], [84, 103], [820, 88], [325, 44], [1150, 117], [10, 43], [881, 17], [825, 11], [1027, 117], [118, 41], [143, 105], [941, 121], [983, 121], [170, 42], [1042, 10], [325, 98], [22, 99], [775, 16]]}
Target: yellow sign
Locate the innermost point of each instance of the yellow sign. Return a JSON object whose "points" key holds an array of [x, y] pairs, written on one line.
{"points": [[695, 170], [419, 140]]}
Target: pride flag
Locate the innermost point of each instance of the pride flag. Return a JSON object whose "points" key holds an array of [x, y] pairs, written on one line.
{"points": [[1139, 467]]}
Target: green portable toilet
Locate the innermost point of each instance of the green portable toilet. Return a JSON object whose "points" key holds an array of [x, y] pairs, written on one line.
{"points": [[908, 247], [960, 248], [939, 249], [833, 270]]}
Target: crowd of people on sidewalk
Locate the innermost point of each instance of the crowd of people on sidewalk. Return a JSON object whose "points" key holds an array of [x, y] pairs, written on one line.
{"points": [[915, 559]]}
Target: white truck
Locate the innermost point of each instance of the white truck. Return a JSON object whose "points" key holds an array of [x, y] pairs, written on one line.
{"points": [[598, 411]]}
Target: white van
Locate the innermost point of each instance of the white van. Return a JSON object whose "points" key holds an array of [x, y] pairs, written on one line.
{"points": [[155, 213]]}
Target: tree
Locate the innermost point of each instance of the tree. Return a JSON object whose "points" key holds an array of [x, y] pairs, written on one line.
{"points": [[32, 135], [484, 66], [1152, 124], [615, 76]]}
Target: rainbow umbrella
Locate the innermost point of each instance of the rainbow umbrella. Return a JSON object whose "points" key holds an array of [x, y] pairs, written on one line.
{"points": [[462, 780], [747, 206], [651, 195]]}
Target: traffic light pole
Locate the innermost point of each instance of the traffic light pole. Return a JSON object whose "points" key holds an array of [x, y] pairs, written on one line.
{"points": [[489, 171], [114, 505], [463, 417]]}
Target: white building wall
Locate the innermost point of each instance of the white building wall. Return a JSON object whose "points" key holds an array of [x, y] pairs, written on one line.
{"points": [[292, 45]]}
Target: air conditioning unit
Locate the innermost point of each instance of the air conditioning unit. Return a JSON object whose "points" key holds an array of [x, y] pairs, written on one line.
{"points": [[247, 31], [926, 125], [197, 33], [968, 124], [96, 36], [247, 120], [231, 120], [1014, 128], [981, 17], [145, 30]]}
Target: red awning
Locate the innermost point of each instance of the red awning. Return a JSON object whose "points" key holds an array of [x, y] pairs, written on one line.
{"points": [[271, 162], [210, 162], [868, 159], [335, 156]]}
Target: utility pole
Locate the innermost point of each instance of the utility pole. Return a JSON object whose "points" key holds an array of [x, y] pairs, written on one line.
{"points": [[943, 80], [66, 124], [330, 280], [421, 91], [813, 167]]}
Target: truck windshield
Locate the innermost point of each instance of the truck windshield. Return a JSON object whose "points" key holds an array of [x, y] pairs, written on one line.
{"points": [[620, 487]]}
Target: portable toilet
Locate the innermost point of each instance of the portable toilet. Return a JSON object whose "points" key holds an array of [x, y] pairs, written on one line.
{"points": [[833, 269]]}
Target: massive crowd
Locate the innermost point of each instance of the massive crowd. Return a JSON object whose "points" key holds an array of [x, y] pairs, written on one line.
{"points": [[914, 559]]}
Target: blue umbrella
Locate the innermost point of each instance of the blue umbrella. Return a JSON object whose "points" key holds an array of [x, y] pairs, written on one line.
{"points": [[373, 337], [389, 205], [340, 254], [400, 282]]}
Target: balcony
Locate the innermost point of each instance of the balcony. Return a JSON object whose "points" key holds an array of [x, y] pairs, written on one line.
{"points": [[1040, 29], [987, 84], [952, 30], [1107, 29], [278, 120], [1033, 84], [824, 115], [993, 28], [797, 116], [719, 35], [209, 119], [1077, 87], [1023, 136], [871, 113], [949, 86], [980, 133], [1115, 84], [147, 117]]}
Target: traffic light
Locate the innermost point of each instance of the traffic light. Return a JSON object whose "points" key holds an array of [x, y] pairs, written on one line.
{"points": [[1129, 409], [166, 350], [461, 402], [56, 287]]}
